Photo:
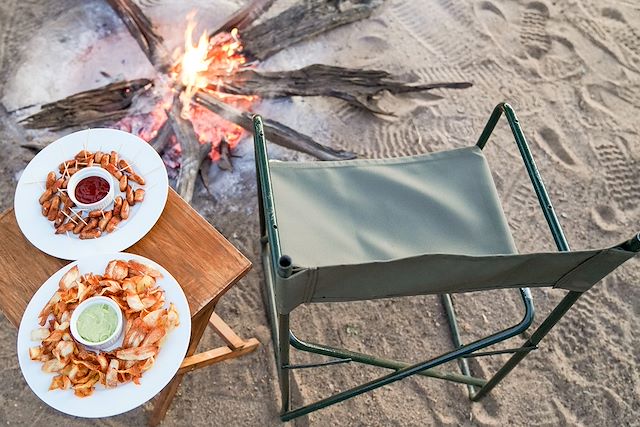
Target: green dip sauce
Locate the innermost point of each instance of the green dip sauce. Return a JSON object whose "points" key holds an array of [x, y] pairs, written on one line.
{"points": [[97, 322]]}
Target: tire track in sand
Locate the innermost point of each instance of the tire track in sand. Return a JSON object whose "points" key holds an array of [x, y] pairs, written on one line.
{"points": [[395, 139]]}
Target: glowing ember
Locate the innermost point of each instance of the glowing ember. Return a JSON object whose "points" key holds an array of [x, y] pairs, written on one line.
{"points": [[225, 56], [204, 65]]}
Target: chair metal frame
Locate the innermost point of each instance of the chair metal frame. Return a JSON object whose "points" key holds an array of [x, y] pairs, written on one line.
{"points": [[275, 262]]}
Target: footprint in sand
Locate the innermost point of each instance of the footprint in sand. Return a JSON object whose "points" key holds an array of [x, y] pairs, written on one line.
{"points": [[605, 217], [561, 61], [626, 36], [533, 33], [530, 37], [497, 25], [620, 101], [372, 44], [550, 141], [620, 171]]}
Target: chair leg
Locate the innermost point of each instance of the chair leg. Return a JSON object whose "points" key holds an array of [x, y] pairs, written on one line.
{"points": [[283, 351], [545, 327], [399, 374], [447, 302], [279, 331]]}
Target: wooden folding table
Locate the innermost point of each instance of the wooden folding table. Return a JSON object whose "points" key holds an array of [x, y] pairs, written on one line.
{"points": [[203, 262]]}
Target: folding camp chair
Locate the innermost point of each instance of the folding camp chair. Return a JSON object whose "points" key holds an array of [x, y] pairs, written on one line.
{"points": [[429, 224]]}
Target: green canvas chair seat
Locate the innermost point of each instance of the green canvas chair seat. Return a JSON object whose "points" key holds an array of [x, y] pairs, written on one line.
{"points": [[429, 224], [358, 211]]}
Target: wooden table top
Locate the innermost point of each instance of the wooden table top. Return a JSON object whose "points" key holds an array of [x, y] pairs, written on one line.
{"points": [[203, 262]]}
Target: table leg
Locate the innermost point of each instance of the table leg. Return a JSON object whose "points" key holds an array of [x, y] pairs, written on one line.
{"points": [[199, 324]]}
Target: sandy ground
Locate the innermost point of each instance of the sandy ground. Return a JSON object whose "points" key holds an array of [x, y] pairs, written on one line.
{"points": [[572, 71]]}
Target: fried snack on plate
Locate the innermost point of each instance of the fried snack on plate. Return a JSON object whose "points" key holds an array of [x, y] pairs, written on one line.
{"points": [[132, 285], [130, 195], [102, 224], [45, 208], [110, 167], [113, 223], [54, 194], [125, 209], [81, 223], [51, 178], [46, 195], [90, 234], [117, 205], [138, 195]]}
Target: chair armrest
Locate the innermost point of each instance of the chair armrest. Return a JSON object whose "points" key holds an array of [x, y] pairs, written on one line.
{"points": [[268, 223], [530, 165]]}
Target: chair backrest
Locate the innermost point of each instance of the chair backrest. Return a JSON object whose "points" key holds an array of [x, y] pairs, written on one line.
{"points": [[445, 273]]}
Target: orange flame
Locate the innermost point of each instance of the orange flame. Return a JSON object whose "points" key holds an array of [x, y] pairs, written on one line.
{"points": [[193, 64], [204, 65]]}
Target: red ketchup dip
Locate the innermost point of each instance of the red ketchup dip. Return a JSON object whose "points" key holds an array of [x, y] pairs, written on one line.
{"points": [[91, 189]]}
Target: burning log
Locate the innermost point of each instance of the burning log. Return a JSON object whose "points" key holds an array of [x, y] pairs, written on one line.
{"points": [[90, 107], [244, 16], [274, 131], [142, 31], [193, 153], [360, 88], [301, 22], [162, 138]]}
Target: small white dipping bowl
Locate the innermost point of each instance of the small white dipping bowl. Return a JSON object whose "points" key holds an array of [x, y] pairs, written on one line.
{"points": [[85, 173], [102, 345]]}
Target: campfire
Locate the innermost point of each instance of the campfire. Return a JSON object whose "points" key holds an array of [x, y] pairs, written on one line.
{"points": [[203, 95]]}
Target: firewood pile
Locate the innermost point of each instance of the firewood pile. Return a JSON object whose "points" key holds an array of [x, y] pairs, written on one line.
{"points": [[216, 82]]}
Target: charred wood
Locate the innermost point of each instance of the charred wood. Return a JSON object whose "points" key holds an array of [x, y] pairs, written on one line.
{"points": [[107, 103], [301, 22], [360, 88], [205, 167], [275, 132], [163, 137], [192, 152], [224, 151], [244, 16], [143, 32]]}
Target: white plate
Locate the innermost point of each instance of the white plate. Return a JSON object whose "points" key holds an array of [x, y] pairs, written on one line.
{"points": [[105, 402], [143, 216]]}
